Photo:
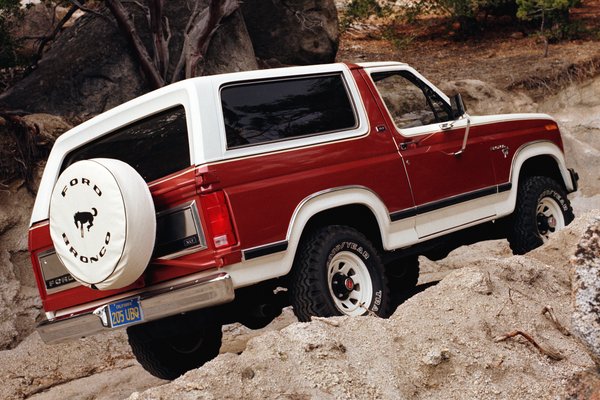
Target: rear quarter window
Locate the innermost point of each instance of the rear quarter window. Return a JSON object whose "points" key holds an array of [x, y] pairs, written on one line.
{"points": [[283, 109], [155, 146]]}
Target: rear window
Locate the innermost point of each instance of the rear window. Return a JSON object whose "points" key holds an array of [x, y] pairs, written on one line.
{"points": [[155, 146], [269, 111]]}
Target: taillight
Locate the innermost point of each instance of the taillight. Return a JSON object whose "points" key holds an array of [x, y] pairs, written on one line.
{"points": [[218, 219]]}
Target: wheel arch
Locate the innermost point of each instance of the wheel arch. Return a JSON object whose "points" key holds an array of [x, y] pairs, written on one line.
{"points": [[543, 159], [355, 206], [357, 216], [539, 158]]}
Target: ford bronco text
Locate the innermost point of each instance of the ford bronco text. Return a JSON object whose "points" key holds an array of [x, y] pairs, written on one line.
{"points": [[225, 198]]}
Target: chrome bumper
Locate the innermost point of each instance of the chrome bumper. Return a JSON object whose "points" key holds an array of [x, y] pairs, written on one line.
{"points": [[200, 293]]}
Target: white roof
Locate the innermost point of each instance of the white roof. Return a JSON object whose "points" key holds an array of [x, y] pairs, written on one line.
{"points": [[373, 64]]}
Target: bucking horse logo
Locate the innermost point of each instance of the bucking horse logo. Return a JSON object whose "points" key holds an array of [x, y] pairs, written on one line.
{"points": [[83, 217]]}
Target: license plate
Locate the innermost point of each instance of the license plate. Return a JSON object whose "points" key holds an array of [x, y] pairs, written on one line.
{"points": [[125, 312]]}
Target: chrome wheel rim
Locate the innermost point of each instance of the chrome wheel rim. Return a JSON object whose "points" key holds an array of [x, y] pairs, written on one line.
{"points": [[350, 284], [549, 217]]}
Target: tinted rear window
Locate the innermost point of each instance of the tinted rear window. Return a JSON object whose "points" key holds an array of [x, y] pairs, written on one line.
{"points": [[155, 146], [269, 111]]}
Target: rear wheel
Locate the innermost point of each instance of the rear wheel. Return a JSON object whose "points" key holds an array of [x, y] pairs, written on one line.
{"points": [[169, 348], [542, 209], [337, 271]]}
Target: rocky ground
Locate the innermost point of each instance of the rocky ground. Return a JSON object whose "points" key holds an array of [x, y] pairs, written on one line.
{"points": [[444, 342]]}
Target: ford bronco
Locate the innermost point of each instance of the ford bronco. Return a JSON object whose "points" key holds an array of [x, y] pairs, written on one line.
{"points": [[225, 198]]}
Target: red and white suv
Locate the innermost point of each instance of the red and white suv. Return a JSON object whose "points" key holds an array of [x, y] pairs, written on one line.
{"points": [[225, 198]]}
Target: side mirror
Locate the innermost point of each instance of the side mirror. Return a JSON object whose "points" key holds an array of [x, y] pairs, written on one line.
{"points": [[458, 106]]}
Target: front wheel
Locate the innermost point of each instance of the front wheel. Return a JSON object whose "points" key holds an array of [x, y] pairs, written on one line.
{"points": [[542, 209], [337, 271]]}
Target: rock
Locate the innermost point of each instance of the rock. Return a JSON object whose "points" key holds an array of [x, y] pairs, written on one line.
{"points": [[49, 127], [435, 357], [37, 21], [20, 305], [231, 49], [481, 284], [89, 68], [584, 386], [586, 290], [484, 99], [438, 342], [293, 32]]}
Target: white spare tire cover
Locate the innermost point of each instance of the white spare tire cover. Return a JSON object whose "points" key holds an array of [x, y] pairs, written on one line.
{"points": [[102, 222]]}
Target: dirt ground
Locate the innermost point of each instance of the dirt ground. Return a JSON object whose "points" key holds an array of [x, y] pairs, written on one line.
{"points": [[505, 55]]}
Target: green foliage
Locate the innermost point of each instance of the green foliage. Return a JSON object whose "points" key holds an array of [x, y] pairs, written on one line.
{"points": [[553, 16], [358, 10], [459, 10], [550, 10], [10, 10], [399, 41]]}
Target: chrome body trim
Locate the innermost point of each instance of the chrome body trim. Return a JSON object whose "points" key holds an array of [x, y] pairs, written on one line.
{"points": [[190, 223], [53, 271], [159, 303]]}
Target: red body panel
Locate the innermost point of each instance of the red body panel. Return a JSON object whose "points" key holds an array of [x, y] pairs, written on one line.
{"points": [[514, 135]]}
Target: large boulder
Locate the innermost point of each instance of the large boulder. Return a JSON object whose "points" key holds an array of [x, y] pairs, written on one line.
{"points": [[89, 68], [293, 31], [20, 305], [586, 290], [86, 71]]}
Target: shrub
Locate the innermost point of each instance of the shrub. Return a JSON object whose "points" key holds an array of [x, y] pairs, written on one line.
{"points": [[10, 10]]}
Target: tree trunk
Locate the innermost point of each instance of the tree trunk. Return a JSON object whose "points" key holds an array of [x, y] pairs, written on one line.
{"points": [[126, 25]]}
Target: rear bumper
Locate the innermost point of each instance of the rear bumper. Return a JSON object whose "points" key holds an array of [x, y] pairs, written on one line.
{"points": [[156, 304]]}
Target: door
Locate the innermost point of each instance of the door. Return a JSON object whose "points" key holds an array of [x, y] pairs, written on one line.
{"points": [[450, 187]]}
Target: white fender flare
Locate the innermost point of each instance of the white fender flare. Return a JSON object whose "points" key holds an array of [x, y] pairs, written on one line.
{"points": [[543, 148]]}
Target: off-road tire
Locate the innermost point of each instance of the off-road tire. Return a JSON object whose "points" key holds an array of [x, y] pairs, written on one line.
{"points": [[402, 276], [338, 248], [524, 232], [168, 356]]}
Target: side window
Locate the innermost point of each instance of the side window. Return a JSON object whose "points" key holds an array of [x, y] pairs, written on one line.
{"points": [[410, 101], [155, 146], [269, 111]]}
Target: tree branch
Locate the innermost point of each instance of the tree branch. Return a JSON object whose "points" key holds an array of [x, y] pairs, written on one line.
{"points": [[200, 30], [158, 26], [153, 75], [44, 40], [547, 351], [80, 5]]}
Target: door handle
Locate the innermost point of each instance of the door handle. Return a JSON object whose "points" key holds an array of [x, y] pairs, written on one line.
{"points": [[408, 145]]}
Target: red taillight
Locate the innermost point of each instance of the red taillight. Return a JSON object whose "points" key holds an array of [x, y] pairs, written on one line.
{"points": [[218, 219]]}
